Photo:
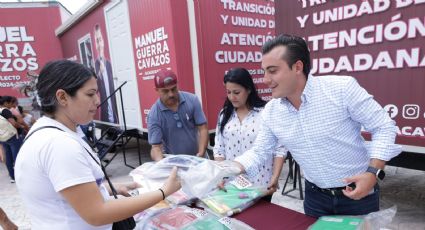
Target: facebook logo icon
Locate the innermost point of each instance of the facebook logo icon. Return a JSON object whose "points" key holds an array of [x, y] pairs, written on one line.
{"points": [[392, 110]]}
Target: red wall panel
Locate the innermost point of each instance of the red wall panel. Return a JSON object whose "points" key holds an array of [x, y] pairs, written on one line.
{"points": [[27, 42]]}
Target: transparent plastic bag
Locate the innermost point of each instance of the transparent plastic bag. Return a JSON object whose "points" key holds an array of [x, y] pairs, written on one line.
{"points": [[180, 198], [198, 176], [147, 185], [137, 175], [185, 218], [204, 177], [380, 219], [147, 213], [371, 221], [138, 172], [162, 168], [209, 222], [173, 218], [238, 195]]}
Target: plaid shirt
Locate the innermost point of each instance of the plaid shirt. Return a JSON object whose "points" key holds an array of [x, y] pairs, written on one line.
{"points": [[324, 134]]}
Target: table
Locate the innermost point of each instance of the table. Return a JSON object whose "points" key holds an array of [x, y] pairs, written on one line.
{"points": [[265, 215]]}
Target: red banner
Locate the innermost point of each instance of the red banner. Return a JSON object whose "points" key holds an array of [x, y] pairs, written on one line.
{"points": [[379, 42], [161, 40], [231, 34], [25, 45]]}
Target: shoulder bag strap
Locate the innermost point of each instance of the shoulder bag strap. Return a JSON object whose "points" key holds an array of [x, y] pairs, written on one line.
{"points": [[42, 127], [114, 192]]}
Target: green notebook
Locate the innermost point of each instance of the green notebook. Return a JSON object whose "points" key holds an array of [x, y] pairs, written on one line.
{"points": [[229, 202], [337, 222]]}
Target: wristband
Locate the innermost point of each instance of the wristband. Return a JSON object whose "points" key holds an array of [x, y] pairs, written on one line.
{"points": [[163, 194]]}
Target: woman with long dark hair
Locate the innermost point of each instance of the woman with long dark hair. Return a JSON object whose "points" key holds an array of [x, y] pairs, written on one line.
{"points": [[58, 175], [238, 124]]}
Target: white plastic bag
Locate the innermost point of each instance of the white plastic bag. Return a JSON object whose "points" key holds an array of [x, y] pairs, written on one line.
{"points": [[162, 168], [198, 175], [204, 177], [380, 219]]}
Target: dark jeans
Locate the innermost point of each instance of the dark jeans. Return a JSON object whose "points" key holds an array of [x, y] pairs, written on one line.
{"points": [[11, 149], [317, 203]]}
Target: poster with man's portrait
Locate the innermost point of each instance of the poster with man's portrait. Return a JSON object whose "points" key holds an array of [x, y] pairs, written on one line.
{"points": [[105, 80]]}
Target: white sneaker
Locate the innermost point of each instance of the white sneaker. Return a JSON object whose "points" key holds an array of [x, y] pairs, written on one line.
{"points": [[12, 181]]}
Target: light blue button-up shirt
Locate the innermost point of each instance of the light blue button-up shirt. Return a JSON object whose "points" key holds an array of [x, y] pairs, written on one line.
{"points": [[324, 134]]}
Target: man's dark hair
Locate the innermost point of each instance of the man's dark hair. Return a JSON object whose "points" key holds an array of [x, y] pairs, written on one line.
{"points": [[241, 77], [97, 27], [21, 109], [296, 49], [62, 74]]}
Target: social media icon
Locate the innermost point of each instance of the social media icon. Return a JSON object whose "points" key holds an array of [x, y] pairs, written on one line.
{"points": [[392, 110], [411, 111]]}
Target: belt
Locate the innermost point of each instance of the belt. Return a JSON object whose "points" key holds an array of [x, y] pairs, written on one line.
{"points": [[337, 191]]}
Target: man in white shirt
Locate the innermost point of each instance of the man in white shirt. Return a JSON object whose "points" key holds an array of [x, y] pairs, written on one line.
{"points": [[319, 120]]}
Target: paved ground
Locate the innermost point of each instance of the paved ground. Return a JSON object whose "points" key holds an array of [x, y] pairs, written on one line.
{"points": [[402, 187]]}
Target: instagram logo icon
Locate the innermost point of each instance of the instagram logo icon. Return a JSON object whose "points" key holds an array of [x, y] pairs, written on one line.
{"points": [[410, 111]]}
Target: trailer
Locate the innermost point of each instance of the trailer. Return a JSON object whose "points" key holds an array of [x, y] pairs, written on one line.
{"points": [[379, 42], [199, 40]]}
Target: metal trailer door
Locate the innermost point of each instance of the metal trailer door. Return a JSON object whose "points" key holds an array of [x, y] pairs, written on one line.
{"points": [[120, 45]]}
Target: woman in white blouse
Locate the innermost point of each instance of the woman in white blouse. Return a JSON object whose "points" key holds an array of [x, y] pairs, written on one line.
{"points": [[238, 124]]}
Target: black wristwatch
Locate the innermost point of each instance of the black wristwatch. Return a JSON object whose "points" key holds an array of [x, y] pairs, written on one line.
{"points": [[379, 173]]}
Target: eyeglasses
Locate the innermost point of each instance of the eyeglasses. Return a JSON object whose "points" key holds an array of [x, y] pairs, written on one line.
{"points": [[177, 118]]}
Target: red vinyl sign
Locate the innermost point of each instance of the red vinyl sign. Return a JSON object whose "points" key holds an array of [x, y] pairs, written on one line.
{"points": [[25, 45], [380, 43]]}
